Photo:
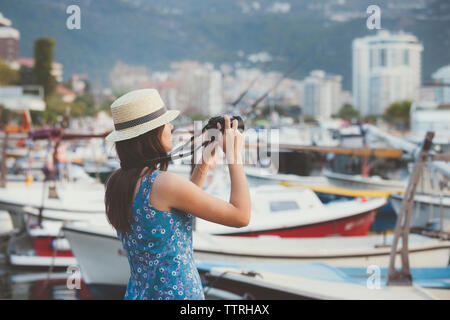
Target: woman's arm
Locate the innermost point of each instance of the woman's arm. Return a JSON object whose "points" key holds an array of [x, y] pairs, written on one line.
{"points": [[173, 191], [199, 174]]}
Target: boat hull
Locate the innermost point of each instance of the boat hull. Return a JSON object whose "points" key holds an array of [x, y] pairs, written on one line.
{"points": [[37, 251], [111, 269], [438, 256], [41, 261], [357, 225], [424, 213], [364, 183], [96, 264]]}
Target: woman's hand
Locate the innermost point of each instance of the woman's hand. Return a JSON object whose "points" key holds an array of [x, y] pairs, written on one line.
{"points": [[232, 141], [209, 158]]}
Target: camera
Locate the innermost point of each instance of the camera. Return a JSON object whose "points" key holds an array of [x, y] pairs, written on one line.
{"points": [[212, 123]]}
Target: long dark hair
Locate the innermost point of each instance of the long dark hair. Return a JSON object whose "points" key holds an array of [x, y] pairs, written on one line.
{"points": [[121, 184]]}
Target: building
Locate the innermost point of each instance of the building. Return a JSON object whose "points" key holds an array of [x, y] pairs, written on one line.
{"points": [[442, 93], [322, 94], [430, 116], [346, 98], [386, 69], [167, 90], [56, 72], [200, 87], [67, 95], [9, 43], [256, 83], [215, 93], [78, 82], [127, 77], [20, 98]]}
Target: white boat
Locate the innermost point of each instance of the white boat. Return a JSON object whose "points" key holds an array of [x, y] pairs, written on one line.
{"points": [[6, 224], [335, 251], [427, 210], [97, 248], [262, 285], [78, 197], [265, 174], [99, 253], [63, 216], [364, 183], [40, 246], [423, 277], [295, 212]]}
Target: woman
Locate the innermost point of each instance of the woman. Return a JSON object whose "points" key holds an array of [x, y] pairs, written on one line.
{"points": [[152, 209]]}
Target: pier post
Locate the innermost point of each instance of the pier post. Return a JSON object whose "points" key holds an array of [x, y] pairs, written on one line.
{"points": [[403, 276]]}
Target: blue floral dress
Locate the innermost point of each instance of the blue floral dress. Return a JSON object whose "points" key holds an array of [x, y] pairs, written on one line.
{"points": [[159, 251]]}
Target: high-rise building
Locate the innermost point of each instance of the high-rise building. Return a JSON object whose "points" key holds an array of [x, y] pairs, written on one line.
{"points": [[386, 69], [200, 87], [216, 100], [127, 77], [322, 95], [9, 43], [442, 93]]}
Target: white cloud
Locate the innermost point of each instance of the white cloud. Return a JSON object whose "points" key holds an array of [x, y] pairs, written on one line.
{"points": [[259, 57], [280, 7]]}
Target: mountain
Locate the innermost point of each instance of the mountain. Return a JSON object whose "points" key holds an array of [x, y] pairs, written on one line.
{"points": [[155, 33]]}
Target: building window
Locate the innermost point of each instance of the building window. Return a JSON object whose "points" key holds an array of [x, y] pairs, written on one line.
{"points": [[406, 57], [371, 59], [383, 58]]}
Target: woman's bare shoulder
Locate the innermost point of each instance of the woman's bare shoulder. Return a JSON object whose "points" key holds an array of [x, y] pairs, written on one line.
{"points": [[170, 181], [168, 189]]}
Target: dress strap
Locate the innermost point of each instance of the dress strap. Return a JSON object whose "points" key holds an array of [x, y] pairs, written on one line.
{"points": [[146, 185], [152, 178]]}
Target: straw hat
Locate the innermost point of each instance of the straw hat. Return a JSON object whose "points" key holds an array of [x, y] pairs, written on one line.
{"points": [[138, 112]]}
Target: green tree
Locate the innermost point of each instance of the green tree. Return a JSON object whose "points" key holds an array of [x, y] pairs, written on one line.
{"points": [[8, 76], [57, 107], [88, 101], [348, 113], [105, 105], [43, 57], [398, 114], [87, 88], [309, 119], [267, 109], [197, 116], [371, 118], [26, 75]]}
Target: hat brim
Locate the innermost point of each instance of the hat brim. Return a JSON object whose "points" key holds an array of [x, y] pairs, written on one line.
{"points": [[133, 132]]}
